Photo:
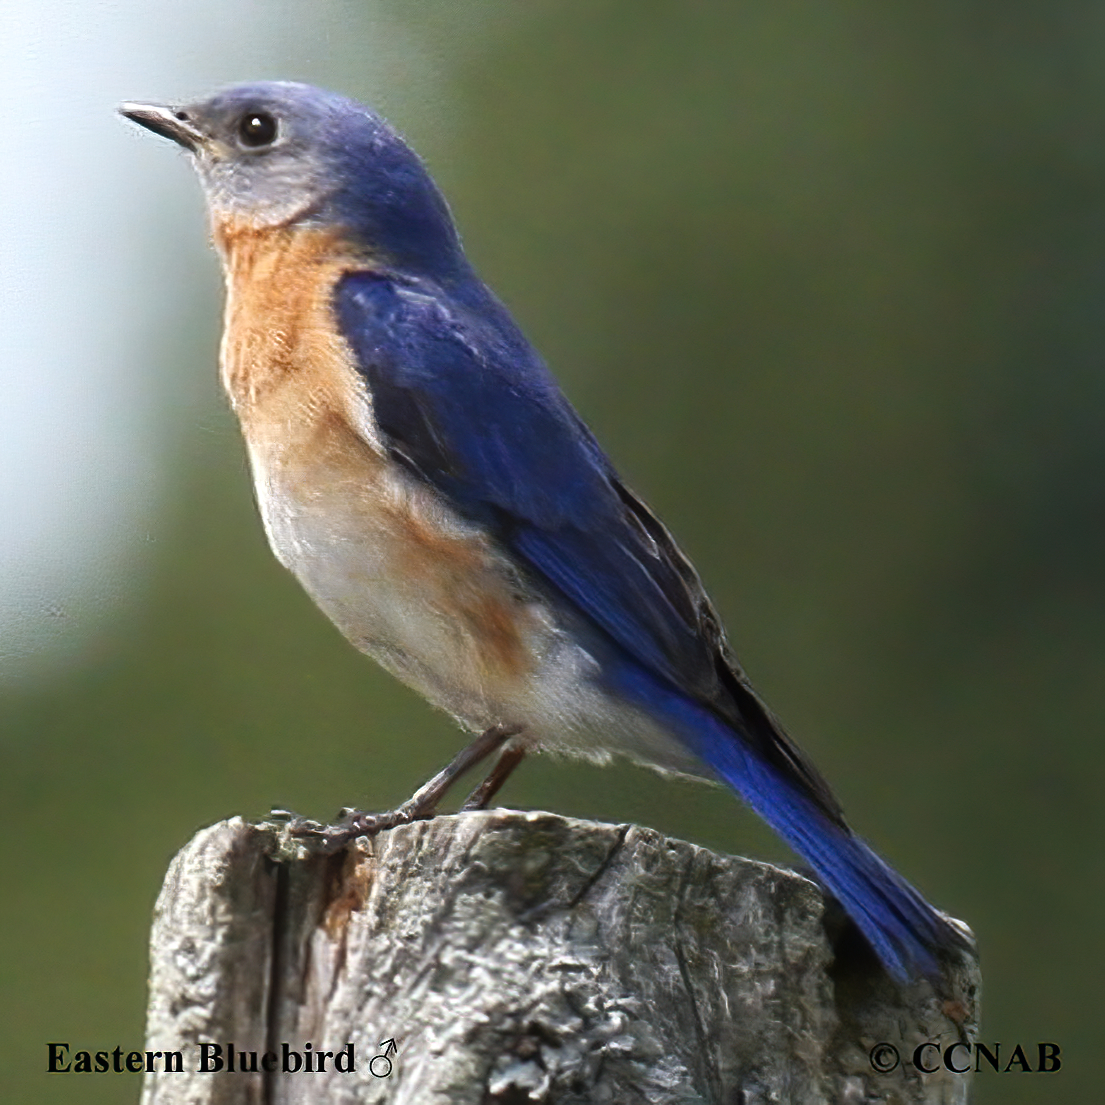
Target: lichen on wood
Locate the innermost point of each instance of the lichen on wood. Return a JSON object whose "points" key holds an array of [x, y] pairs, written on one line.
{"points": [[507, 957]]}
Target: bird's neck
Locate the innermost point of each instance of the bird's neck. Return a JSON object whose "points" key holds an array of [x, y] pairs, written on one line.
{"points": [[279, 323]]}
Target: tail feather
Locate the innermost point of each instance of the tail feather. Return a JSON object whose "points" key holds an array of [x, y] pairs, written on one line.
{"points": [[905, 932]]}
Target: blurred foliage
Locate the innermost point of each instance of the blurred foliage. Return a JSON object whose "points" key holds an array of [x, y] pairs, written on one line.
{"points": [[826, 279]]}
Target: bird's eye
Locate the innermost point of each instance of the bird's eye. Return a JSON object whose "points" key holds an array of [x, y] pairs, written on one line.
{"points": [[256, 128]]}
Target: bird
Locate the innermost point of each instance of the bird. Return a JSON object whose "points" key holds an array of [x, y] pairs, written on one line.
{"points": [[420, 472]]}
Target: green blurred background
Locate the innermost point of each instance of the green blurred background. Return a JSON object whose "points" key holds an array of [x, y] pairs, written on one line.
{"points": [[827, 281]]}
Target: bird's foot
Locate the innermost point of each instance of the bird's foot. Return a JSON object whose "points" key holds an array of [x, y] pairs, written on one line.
{"points": [[422, 805], [352, 824]]}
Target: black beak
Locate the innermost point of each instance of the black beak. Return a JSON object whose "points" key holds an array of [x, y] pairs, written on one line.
{"points": [[165, 121]]}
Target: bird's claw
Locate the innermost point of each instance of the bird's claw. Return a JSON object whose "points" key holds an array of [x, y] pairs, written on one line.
{"points": [[353, 825]]}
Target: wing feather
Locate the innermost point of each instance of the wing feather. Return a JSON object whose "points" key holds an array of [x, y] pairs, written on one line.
{"points": [[464, 401]]}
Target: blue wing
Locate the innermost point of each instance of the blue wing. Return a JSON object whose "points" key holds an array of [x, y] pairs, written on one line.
{"points": [[467, 405], [465, 402]]}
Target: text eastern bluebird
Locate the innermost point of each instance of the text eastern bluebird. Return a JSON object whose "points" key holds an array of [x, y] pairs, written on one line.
{"points": [[420, 472]]}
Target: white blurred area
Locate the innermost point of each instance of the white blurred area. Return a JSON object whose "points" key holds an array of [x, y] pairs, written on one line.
{"points": [[105, 259]]}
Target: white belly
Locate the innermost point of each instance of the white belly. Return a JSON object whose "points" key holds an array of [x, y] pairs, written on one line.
{"points": [[422, 591]]}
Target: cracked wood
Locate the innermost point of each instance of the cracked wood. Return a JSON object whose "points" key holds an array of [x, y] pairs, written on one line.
{"points": [[526, 957]]}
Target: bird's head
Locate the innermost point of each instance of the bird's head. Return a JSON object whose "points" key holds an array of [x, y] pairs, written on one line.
{"points": [[278, 154]]}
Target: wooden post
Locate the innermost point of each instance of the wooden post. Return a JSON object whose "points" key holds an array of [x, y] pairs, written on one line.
{"points": [[506, 957]]}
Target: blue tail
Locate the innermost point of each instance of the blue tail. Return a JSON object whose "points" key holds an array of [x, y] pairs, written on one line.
{"points": [[905, 931]]}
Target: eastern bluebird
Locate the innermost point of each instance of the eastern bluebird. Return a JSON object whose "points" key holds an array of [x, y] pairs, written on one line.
{"points": [[421, 474]]}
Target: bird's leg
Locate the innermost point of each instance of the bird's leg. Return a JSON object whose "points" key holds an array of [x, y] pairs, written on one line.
{"points": [[423, 803], [509, 759], [420, 806]]}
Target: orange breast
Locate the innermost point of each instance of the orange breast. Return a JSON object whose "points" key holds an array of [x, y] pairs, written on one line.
{"points": [[279, 328]]}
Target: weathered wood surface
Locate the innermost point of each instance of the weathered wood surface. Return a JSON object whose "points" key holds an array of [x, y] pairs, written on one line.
{"points": [[524, 957]]}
